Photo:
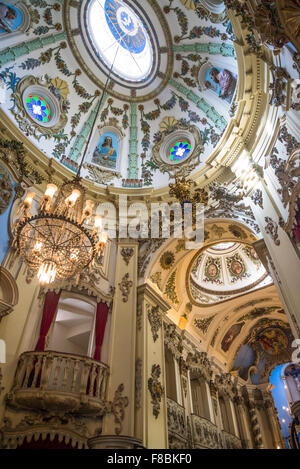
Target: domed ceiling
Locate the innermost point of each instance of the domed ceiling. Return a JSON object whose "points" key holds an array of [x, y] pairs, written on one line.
{"points": [[170, 73], [225, 270]]}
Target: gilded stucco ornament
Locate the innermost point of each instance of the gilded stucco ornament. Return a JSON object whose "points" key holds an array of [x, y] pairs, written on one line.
{"points": [[45, 87], [127, 254], [183, 168], [170, 288], [156, 389], [6, 190], [125, 287], [257, 198], [271, 229], [167, 260], [199, 365], [155, 320], [117, 408], [100, 175], [203, 324]]}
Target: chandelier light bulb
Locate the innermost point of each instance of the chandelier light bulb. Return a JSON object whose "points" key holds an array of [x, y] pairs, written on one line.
{"points": [[28, 199], [88, 209], [47, 272], [38, 246], [72, 199], [50, 191]]}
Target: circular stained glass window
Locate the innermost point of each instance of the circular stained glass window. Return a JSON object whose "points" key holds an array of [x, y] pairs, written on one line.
{"points": [[120, 39], [180, 151], [38, 109]]}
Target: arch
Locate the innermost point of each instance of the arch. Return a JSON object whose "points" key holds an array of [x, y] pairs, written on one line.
{"points": [[199, 391], [9, 293], [106, 148], [171, 388]]}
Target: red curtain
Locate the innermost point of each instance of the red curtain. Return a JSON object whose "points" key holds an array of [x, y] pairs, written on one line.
{"points": [[50, 307], [297, 228], [101, 318]]}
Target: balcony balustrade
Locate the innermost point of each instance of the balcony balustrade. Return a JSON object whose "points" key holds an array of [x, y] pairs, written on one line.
{"points": [[207, 435], [177, 427], [60, 381]]}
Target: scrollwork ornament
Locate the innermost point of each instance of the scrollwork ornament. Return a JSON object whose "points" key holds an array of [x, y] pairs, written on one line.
{"points": [[125, 286], [156, 389], [155, 320], [127, 254], [271, 229], [257, 198], [118, 408]]}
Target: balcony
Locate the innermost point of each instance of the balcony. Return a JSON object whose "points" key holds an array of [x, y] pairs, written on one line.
{"points": [[207, 435], [55, 381], [177, 428]]}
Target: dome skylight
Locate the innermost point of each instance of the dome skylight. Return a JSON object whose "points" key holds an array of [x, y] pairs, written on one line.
{"points": [[120, 39]]}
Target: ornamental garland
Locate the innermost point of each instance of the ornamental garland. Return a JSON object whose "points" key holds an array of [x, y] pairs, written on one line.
{"points": [[62, 139], [170, 289], [117, 112], [198, 31], [208, 133], [35, 16]]}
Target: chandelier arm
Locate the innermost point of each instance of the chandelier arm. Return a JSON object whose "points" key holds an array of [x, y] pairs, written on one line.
{"points": [[47, 223], [35, 228]]}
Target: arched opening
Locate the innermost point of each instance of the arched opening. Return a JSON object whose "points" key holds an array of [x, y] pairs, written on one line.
{"points": [[73, 329], [200, 396], [286, 393], [171, 388]]}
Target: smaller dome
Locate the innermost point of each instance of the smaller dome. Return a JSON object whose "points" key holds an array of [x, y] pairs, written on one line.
{"points": [[227, 269]]}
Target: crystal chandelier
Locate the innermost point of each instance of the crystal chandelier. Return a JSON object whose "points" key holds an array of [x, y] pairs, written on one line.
{"points": [[57, 243]]}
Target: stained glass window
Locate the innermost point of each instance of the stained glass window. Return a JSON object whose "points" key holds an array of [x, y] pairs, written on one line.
{"points": [[120, 39], [38, 108], [180, 150]]}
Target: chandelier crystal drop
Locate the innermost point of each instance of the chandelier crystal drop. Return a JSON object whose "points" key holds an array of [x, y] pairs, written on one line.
{"points": [[57, 243]]}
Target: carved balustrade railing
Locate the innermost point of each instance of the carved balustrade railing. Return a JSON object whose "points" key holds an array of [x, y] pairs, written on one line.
{"points": [[205, 433], [231, 441], [177, 426], [56, 380]]}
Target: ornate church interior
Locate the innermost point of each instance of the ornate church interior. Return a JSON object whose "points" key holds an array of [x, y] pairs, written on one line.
{"points": [[110, 336]]}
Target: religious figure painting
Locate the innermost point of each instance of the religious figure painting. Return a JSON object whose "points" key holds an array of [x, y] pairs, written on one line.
{"points": [[231, 335], [10, 18], [222, 82], [106, 151], [273, 341]]}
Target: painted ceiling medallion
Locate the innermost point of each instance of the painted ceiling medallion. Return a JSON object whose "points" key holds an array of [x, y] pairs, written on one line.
{"points": [[125, 26], [178, 153]]}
